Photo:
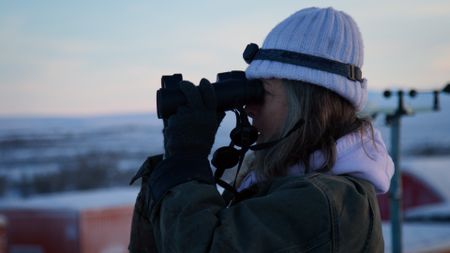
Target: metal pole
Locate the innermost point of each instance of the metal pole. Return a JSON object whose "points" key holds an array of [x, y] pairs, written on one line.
{"points": [[395, 192], [396, 183]]}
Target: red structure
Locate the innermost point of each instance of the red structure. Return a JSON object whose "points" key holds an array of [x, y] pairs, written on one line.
{"points": [[89, 222], [416, 192], [2, 234]]}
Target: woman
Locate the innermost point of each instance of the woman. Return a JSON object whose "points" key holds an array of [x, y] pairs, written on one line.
{"points": [[314, 191]]}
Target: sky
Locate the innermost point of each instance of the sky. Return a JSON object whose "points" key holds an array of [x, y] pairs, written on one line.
{"points": [[67, 58]]}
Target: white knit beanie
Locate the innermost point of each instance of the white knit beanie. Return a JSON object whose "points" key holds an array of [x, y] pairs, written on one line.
{"points": [[325, 33]]}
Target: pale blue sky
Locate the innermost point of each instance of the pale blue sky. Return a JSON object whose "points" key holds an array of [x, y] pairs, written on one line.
{"points": [[95, 57]]}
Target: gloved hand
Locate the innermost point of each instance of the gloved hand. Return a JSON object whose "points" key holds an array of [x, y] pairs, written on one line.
{"points": [[191, 131]]}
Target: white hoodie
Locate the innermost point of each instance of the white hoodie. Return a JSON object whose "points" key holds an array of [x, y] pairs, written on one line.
{"points": [[356, 155]]}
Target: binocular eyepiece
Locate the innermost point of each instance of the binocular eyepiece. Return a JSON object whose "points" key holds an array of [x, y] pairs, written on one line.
{"points": [[232, 89]]}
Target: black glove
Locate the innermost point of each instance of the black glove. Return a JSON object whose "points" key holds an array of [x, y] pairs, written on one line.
{"points": [[188, 139], [191, 131]]}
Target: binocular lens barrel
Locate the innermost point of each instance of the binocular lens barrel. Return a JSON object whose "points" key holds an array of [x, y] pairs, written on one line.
{"points": [[230, 94]]}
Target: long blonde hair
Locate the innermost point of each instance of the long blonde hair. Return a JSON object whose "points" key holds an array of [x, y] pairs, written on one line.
{"points": [[327, 117]]}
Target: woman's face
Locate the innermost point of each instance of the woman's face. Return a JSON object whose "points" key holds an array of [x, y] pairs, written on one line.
{"points": [[269, 116]]}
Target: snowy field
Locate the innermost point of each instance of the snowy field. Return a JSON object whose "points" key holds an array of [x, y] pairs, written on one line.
{"points": [[41, 145]]}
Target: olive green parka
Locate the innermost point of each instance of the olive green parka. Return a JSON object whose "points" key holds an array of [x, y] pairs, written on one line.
{"points": [[310, 213]]}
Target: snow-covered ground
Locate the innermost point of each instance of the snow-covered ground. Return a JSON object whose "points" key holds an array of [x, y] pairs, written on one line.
{"points": [[34, 145], [41, 145], [420, 237], [76, 200]]}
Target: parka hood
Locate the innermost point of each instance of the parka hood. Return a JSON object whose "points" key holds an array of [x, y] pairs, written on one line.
{"points": [[358, 155]]}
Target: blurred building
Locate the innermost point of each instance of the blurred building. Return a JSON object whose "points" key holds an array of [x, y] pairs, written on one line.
{"points": [[78, 222], [425, 183]]}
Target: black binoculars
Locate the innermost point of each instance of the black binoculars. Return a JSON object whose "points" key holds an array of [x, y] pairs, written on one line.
{"points": [[232, 89]]}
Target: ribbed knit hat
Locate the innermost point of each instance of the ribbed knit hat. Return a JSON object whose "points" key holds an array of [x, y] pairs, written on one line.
{"points": [[325, 34]]}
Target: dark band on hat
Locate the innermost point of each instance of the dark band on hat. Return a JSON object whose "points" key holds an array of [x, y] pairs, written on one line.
{"points": [[253, 52]]}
